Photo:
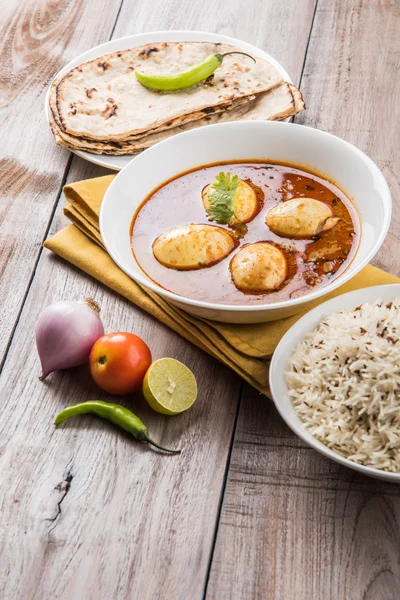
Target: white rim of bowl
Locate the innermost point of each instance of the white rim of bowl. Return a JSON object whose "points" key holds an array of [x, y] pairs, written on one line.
{"points": [[347, 274], [302, 431]]}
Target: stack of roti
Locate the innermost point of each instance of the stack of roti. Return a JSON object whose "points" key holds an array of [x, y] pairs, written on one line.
{"points": [[100, 107]]}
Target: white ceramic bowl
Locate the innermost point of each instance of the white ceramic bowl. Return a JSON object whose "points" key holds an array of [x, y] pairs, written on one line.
{"points": [[285, 349], [302, 146]]}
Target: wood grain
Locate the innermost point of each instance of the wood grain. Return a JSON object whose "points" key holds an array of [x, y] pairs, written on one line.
{"points": [[293, 524], [280, 28], [296, 525], [88, 513], [351, 84], [37, 39]]}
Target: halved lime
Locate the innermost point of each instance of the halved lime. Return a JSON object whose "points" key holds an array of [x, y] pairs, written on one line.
{"points": [[169, 386]]}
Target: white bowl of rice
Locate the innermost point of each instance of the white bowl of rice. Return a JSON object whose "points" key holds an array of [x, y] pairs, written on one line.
{"points": [[335, 380]]}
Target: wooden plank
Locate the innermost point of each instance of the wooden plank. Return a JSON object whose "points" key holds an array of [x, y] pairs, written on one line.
{"points": [[123, 526], [293, 524], [36, 41], [132, 523], [280, 28], [296, 525], [356, 97]]}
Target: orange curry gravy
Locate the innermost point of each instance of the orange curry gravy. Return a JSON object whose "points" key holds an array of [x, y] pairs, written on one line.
{"points": [[312, 263]]}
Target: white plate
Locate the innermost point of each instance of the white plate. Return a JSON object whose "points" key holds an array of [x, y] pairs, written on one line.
{"points": [[116, 163], [284, 352]]}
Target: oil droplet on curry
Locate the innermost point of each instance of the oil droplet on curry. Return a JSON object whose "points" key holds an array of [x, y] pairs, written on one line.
{"points": [[189, 239]]}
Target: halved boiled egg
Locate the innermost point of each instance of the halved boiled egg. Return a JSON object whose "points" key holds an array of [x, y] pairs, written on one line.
{"points": [[301, 218], [193, 246], [258, 268], [244, 203]]}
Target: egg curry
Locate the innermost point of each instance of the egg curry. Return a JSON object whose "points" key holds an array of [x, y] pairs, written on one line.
{"points": [[245, 233]]}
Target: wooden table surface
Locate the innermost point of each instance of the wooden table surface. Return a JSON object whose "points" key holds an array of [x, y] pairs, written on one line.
{"points": [[247, 511]]}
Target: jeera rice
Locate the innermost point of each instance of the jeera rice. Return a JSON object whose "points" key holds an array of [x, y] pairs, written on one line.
{"points": [[344, 381]]}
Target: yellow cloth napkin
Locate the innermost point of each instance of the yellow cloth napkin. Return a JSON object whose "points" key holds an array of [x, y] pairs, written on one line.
{"points": [[245, 348]]}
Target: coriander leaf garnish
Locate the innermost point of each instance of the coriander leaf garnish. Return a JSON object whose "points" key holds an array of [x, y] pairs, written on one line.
{"points": [[222, 198]]}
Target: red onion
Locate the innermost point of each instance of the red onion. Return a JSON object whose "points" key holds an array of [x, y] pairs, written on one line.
{"points": [[65, 334]]}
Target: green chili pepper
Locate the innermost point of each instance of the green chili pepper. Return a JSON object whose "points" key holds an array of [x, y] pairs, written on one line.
{"points": [[115, 413], [184, 79]]}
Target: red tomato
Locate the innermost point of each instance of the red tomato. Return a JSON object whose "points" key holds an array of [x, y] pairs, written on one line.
{"points": [[118, 362]]}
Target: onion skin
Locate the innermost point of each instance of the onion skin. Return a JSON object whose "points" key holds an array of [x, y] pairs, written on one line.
{"points": [[65, 334]]}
